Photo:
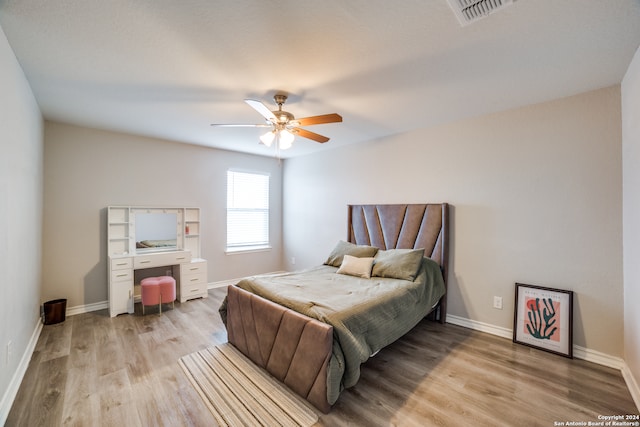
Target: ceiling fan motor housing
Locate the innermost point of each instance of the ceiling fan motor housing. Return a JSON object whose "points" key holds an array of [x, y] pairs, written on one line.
{"points": [[283, 117]]}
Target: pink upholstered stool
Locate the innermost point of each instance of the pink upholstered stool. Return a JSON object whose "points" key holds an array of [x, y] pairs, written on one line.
{"points": [[167, 290], [158, 290]]}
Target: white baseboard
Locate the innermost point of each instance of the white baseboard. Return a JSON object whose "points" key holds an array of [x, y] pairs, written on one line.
{"points": [[632, 384], [86, 308], [18, 375], [222, 283], [578, 352], [480, 326], [598, 357], [79, 309]]}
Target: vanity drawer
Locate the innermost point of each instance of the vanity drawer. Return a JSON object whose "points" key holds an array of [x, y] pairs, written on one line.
{"points": [[193, 290], [194, 279], [160, 260], [193, 268], [121, 263], [122, 275]]}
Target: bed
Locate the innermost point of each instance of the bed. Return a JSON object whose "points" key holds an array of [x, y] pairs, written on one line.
{"points": [[312, 329]]}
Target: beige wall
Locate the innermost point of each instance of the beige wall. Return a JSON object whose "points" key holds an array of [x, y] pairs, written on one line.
{"points": [[631, 221], [86, 170], [20, 222], [536, 195]]}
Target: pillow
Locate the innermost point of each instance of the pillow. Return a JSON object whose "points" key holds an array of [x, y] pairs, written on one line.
{"points": [[398, 263], [345, 248], [354, 266]]}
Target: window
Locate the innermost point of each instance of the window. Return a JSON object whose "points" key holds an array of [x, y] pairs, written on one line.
{"points": [[247, 211]]}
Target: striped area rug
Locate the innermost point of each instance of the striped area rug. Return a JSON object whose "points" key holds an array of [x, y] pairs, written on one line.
{"points": [[239, 393]]}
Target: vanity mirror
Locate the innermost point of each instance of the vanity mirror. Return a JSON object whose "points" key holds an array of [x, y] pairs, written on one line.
{"points": [[156, 231], [136, 230]]}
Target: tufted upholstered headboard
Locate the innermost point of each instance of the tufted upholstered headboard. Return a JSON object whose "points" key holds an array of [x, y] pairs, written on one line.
{"points": [[404, 226]]}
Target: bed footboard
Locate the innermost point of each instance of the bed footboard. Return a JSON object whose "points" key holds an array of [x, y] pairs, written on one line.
{"points": [[292, 347]]}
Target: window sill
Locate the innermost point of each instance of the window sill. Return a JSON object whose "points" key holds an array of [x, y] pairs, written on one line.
{"points": [[247, 249]]}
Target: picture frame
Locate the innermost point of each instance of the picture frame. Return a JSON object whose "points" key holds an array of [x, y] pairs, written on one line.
{"points": [[543, 319]]}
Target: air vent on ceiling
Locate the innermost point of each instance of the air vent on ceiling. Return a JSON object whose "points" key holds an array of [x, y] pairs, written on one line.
{"points": [[468, 11]]}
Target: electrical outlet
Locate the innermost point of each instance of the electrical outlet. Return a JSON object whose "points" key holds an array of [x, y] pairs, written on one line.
{"points": [[169, 273], [293, 260], [497, 303]]}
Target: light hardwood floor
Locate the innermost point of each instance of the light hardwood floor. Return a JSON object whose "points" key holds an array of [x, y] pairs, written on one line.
{"points": [[93, 370]]}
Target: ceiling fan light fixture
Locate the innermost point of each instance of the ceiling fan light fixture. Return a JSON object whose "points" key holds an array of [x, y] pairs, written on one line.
{"points": [[285, 139], [267, 138]]}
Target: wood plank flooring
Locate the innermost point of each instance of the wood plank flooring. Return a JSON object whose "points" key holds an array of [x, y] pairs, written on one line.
{"points": [[93, 370]]}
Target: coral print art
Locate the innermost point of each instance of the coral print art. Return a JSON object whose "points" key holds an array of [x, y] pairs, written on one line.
{"points": [[542, 318]]}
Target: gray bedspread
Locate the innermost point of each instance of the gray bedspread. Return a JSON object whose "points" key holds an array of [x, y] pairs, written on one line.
{"points": [[366, 314]]}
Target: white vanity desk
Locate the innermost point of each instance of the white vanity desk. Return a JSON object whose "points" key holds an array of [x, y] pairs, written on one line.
{"points": [[185, 266]]}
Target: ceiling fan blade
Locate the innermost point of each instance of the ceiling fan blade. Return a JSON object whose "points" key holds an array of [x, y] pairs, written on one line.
{"points": [[310, 135], [240, 126], [318, 120], [262, 109]]}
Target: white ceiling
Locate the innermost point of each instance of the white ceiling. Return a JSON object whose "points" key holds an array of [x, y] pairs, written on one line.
{"points": [[168, 69]]}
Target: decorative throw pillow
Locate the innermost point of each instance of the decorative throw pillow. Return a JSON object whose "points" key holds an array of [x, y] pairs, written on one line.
{"points": [[398, 263], [354, 266], [346, 248]]}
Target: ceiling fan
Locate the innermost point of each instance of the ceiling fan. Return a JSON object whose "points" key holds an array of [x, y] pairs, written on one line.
{"points": [[283, 125]]}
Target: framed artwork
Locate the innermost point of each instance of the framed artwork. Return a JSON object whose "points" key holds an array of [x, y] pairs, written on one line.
{"points": [[543, 319]]}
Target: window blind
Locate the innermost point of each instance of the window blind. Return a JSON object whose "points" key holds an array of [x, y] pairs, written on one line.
{"points": [[247, 210]]}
